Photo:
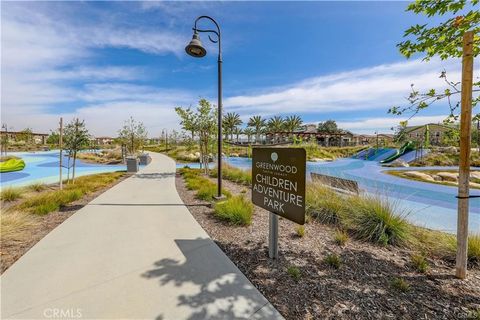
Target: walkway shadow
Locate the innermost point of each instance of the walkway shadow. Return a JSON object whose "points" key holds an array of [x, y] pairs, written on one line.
{"points": [[161, 175], [224, 293]]}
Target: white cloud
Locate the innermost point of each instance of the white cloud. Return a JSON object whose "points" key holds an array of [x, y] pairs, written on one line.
{"points": [[46, 61], [378, 87]]}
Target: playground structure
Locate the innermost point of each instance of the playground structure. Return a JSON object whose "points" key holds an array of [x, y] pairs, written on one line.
{"points": [[408, 152], [12, 165], [407, 147]]}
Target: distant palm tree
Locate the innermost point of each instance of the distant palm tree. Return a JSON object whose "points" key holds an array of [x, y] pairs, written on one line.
{"points": [[249, 132], [293, 123], [230, 121], [238, 131], [257, 123], [276, 125]]}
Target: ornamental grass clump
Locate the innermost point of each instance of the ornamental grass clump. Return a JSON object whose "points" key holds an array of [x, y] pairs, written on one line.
{"points": [[333, 260], [234, 174], [11, 194], [300, 230], [14, 223], [473, 252], [375, 219], [294, 272], [400, 285], [37, 187], [237, 210], [324, 204], [419, 262], [341, 237]]}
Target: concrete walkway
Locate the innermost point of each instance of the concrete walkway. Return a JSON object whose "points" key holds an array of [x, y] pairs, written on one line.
{"points": [[135, 252]]}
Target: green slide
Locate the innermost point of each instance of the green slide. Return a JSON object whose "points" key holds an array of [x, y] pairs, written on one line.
{"points": [[407, 147], [12, 165]]}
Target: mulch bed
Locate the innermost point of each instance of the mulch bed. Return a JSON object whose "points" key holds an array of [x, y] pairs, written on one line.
{"points": [[14, 249], [360, 289]]}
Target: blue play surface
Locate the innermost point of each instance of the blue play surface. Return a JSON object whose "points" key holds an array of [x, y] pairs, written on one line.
{"points": [[42, 166], [430, 205]]}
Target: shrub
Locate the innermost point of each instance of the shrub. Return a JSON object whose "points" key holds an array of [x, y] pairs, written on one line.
{"points": [[236, 210], [324, 204], [400, 285], [11, 194], [195, 183], [37, 187], [206, 192], [300, 231], [374, 219], [294, 272], [333, 260], [419, 262], [341, 237], [474, 249]]}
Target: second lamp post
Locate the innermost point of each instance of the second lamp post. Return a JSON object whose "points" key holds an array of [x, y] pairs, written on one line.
{"points": [[196, 49]]}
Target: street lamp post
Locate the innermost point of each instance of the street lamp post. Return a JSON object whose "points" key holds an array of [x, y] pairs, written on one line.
{"points": [[196, 49], [165, 133]]}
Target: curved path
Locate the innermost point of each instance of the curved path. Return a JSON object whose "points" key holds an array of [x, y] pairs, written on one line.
{"points": [[135, 252]]}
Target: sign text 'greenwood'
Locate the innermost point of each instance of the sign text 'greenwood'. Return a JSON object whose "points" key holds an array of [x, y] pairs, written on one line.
{"points": [[278, 181]]}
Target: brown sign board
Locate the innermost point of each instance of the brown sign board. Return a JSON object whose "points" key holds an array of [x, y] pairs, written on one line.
{"points": [[278, 181]]}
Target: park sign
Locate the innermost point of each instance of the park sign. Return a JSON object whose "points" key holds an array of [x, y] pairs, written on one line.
{"points": [[278, 181]]}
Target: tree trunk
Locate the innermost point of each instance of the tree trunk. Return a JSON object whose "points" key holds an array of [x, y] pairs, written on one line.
{"points": [[68, 169], [74, 165]]}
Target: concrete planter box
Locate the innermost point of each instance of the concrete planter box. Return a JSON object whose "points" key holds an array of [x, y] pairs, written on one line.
{"points": [[144, 159], [132, 164]]}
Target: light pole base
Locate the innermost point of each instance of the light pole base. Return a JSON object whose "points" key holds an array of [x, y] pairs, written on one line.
{"points": [[221, 198]]}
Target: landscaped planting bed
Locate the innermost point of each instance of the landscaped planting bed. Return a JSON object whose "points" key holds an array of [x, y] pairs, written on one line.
{"points": [[325, 272]]}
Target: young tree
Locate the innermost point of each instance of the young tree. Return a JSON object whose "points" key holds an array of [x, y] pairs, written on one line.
{"points": [[204, 123], [445, 41], [188, 120], [133, 135], [258, 124], [75, 138]]}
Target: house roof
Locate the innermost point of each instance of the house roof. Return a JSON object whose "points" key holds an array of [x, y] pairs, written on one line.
{"points": [[412, 128]]}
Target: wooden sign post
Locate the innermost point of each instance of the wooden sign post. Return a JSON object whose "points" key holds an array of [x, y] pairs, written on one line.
{"points": [[278, 185], [464, 165]]}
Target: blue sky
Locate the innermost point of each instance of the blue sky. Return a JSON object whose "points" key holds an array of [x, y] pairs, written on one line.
{"points": [[106, 61]]}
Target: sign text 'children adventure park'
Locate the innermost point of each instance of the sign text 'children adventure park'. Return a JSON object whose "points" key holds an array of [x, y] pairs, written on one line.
{"points": [[278, 181]]}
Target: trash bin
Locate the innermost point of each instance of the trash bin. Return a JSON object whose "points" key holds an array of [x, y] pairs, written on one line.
{"points": [[144, 159], [132, 164]]}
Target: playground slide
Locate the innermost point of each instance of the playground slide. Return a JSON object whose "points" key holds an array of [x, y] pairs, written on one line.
{"points": [[12, 165], [407, 147]]}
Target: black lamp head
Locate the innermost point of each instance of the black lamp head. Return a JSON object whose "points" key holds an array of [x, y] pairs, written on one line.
{"points": [[195, 47]]}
